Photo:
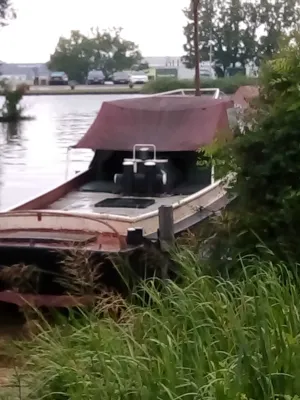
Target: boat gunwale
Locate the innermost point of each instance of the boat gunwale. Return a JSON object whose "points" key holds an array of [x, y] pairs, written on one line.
{"points": [[111, 216]]}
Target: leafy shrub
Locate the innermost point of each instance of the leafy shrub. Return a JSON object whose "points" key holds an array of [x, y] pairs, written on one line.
{"points": [[227, 85], [11, 109], [264, 157], [165, 84]]}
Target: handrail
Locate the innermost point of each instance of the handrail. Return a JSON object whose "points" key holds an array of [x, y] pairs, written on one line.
{"points": [[183, 92], [144, 145]]}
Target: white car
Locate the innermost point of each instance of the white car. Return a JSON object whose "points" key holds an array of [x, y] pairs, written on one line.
{"points": [[138, 78]]}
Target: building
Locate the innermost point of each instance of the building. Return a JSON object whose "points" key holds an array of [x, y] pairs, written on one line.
{"points": [[168, 61], [172, 66], [28, 73]]}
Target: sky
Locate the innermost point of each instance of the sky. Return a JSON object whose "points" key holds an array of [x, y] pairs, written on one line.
{"points": [[155, 25]]}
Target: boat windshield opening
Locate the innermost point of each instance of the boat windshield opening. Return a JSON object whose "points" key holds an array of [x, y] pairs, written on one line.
{"points": [[168, 173]]}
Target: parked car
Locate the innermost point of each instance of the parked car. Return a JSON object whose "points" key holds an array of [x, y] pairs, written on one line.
{"points": [[120, 77], [58, 78], [95, 77], [138, 78]]}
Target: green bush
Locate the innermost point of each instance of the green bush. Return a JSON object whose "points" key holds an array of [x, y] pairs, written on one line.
{"points": [[227, 85], [265, 159], [12, 109], [207, 339], [166, 84]]}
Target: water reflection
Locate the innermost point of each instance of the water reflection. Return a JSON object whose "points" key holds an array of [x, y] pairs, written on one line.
{"points": [[13, 131], [33, 153]]}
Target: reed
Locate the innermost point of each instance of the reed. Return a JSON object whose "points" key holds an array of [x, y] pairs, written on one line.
{"points": [[202, 338]]}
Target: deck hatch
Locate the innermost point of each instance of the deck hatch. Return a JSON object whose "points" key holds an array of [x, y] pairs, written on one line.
{"points": [[125, 202]]}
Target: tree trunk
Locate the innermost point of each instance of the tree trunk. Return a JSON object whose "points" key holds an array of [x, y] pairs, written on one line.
{"points": [[196, 46]]}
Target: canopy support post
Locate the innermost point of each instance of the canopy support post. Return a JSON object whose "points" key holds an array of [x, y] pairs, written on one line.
{"points": [[212, 172]]}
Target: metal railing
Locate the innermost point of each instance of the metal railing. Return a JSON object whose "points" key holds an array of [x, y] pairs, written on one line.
{"points": [[190, 92]]}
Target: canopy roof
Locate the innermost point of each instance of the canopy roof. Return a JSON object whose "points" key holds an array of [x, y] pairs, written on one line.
{"points": [[171, 123]]}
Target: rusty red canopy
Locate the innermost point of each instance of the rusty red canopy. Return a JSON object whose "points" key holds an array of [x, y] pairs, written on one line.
{"points": [[172, 123]]}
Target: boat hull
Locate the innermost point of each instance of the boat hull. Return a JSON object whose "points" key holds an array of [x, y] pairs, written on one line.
{"points": [[42, 277], [119, 265], [45, 239]]}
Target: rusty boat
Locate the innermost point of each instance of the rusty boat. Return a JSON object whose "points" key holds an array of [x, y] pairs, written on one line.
{"points": [[146, 153]]}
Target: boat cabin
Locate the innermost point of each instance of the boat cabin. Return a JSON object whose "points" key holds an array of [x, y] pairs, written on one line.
{"points": [[146, 172]]}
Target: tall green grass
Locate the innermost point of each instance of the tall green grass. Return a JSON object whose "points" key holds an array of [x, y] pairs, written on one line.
{"points": [[202, 338]]}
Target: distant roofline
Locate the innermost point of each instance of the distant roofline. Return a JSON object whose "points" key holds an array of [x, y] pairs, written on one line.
{"points": [[29, 63], [162, 57]]}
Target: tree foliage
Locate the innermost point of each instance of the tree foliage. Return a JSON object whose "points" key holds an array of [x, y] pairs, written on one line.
{"points": [[240, 31], [12, 109], [7, 12], [102, 50], [264, 160]]}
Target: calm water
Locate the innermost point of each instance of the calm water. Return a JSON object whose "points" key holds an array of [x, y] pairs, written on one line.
{"points": [[33, 154]]}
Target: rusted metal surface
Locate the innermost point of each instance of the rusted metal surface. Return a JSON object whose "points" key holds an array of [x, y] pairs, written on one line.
{"points": [[244, 95], [107, 242], [40, 227], [62, 301], [161, 120]]}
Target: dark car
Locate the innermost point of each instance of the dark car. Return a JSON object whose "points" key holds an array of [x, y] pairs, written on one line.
{"points": [[95, 77], [120, 78], [58, 78]]}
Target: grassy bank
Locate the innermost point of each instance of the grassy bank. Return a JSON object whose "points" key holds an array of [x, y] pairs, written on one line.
{"points": [[227, 85], [204, 338]]}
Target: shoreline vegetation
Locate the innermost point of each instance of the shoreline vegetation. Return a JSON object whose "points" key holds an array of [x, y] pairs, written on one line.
{"points": [[206, 337], [227, 85], [12, 110]]}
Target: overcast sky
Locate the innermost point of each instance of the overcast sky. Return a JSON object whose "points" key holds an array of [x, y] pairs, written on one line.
{"points": [[155, 25]]}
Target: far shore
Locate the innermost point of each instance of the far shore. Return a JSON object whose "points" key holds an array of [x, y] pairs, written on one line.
{"points": [[82, 90]]}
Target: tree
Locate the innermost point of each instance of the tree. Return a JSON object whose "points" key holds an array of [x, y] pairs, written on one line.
{"points": [[235, 37], [6, 12], [106, 51], [277, 17], [141, 66], [12, 110], [234, 26], [73, 56], [205, 18], [228, 26]]}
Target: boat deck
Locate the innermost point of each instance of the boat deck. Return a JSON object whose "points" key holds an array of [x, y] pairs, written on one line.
{"points": [[85, 202]]}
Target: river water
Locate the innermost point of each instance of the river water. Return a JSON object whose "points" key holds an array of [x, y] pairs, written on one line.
{"points": [[33, 153]]}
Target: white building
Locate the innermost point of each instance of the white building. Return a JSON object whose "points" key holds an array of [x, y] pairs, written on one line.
{"points": [[167, 61], [24, 72]]}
